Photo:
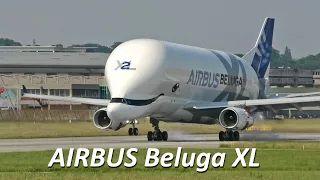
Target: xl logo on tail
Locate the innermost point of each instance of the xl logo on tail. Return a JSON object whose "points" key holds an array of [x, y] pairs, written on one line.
{"points": [[125, 65]]}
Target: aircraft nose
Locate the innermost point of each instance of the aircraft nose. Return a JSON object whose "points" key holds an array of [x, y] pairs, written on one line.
{"points": [[117, 111]]}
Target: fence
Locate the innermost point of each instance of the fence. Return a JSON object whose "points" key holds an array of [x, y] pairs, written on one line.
{"points": [[46, 115]]}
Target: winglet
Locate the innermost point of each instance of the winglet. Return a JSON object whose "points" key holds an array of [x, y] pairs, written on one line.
{"points": [[24, 90]]}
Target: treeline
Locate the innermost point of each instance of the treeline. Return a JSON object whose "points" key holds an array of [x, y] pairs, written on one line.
{"points": [[285, 60], [8, 42], [279, 60], [97, 47]]}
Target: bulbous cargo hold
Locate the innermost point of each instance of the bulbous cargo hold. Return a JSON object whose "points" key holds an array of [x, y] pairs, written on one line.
{"points": [[141, 69]]}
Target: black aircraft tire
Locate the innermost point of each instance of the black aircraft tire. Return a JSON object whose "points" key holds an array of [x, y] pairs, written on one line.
{"points": [[222, 136], [130, 131], [150, 136], [236, 136], [135, 131], [164, 135]]}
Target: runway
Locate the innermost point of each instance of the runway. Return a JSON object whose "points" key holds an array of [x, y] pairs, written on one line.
{"points": [[176, 139]]}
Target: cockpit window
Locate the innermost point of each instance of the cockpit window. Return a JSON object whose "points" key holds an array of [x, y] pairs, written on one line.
{"points": [[139, 102], [134, 102], [116, 100]]}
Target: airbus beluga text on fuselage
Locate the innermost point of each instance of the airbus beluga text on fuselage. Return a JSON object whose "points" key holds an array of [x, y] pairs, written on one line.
{"points": [[178, 83]]}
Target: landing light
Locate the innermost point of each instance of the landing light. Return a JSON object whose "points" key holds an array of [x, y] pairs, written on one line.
{"points": [[132, 122]]}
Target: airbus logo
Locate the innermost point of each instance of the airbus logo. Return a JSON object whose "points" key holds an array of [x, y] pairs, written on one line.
{"points": [[209, 79], [125, 65]]}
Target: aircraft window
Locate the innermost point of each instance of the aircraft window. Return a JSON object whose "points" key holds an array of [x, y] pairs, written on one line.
{"points": [[139, 102], [132, 102]]}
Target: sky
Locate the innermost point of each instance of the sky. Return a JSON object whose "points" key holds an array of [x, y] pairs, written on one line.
{"points": [[227, 25]]}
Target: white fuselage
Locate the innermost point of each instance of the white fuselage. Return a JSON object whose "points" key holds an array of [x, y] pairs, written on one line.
{"points": [[142, 69]]}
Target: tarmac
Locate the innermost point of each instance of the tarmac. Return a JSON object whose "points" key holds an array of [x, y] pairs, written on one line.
{"points": [[176, 139]]}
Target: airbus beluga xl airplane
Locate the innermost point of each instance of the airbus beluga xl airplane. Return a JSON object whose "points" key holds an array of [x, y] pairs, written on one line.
{"points": [[178, 83]]}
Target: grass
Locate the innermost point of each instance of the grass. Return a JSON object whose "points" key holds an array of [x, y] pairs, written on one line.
{"points": [[77, 129], [292, 125], [277, 163], [297, 145]]}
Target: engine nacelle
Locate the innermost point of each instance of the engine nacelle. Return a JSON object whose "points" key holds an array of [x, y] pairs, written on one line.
{"points": [[235, 118], [102, 121]]}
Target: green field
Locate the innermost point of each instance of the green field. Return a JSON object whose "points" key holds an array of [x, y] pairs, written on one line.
{"points": [[64, 129], [277, 162]]}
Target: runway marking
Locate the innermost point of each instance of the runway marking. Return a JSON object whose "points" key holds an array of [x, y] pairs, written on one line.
{"points": [[185, 141]]}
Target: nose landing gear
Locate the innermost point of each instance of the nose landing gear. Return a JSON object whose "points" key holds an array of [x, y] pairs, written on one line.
{"points": [[133, 131]]}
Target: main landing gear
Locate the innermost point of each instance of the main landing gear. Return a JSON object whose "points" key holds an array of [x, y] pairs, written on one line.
{"points": [[229, 135], [157, 135], [133, 131]]}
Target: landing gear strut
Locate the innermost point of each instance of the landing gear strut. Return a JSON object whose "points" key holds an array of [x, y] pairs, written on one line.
{"points": [[229, 135], [133, 131], [157, 135]]}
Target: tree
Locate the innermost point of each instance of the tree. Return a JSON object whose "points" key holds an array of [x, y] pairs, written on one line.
{"points": [[287, 53], [115, 44], [8, 42], [276, 59], [59, 46], [286, 57], [309, 62]]}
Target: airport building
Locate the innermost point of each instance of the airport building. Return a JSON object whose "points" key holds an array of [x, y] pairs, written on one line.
{"points": [[51, 70], [316, 77], [282, 77]]}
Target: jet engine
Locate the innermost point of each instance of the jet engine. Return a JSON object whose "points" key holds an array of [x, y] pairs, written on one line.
{"points": [[235, 118], [102, 121]]}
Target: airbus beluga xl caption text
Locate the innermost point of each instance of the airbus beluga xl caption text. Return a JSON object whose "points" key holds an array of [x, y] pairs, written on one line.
{"points": [[153, 158]]}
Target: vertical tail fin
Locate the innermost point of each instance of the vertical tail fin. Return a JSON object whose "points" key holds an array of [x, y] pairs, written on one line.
{"points": [[260, 55]]}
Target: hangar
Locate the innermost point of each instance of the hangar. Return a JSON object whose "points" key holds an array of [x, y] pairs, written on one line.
{"points": [[51, 70]]}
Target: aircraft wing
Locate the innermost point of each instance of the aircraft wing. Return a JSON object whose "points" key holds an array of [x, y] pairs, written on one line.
{"points": [[302, 94], [257, 104], [91, 101]]}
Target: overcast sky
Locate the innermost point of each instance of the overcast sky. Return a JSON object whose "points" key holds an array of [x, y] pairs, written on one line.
{"points": [[229, 25]]}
